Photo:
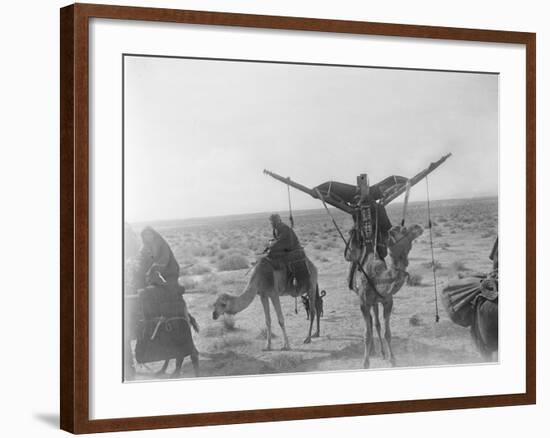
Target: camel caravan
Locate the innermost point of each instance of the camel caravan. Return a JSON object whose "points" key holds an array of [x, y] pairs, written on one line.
{"points": [[158, 320]]}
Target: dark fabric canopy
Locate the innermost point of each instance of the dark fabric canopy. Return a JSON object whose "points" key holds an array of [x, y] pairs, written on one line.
{"points": [[346, 192]]}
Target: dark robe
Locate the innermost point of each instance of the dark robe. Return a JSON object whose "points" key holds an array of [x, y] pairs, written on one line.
{"points": [[285, 241], [158, 257]]}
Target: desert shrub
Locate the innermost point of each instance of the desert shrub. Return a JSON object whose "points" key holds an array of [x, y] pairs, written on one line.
{"points": [[487, 234], [209, 283], [229, 342], [287, 362], [197, 269], [415, 321], [318, 245], [188, 283], [263, 334], [414, 280], [458, 266], [200, 251], [436, 264], [225, 244], [444, 245], [229, 322], [233, 262]]}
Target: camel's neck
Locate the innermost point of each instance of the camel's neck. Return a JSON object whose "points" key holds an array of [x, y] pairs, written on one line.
{"points": [[242, 301], [395, 274], [398, 265]]}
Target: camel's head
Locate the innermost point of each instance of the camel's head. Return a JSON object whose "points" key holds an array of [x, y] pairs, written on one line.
{"points": [[221, 305], [401, 238]]}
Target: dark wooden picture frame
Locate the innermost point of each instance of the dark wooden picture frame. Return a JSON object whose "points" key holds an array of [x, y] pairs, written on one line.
{"points": [[74, 275]]}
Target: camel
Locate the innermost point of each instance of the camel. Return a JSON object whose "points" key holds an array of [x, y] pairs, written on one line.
{"points": [[270, 285], [388, 280], [484, 328]]}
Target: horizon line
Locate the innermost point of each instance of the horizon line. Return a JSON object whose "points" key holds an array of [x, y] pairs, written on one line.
{"points": [[219, 216]]}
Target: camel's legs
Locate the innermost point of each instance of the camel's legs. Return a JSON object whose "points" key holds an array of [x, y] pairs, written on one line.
{"points": [[277, 305], [379, 331], [317, 305], [195, 361], [177, 369], [388, 306], [365, 309], [130, 369], [163, 369], [318, 331], [265, 305], [312, 312]]}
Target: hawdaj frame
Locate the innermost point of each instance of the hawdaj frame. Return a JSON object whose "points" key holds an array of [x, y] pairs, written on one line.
{"points": [[75, 226]]}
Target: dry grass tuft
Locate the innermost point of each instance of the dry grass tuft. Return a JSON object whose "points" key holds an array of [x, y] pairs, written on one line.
{"points": [[458, 266], [415, 321], [436, 264], [233, 262], [229, 322], [263, 334], [197, 269], [287, 362], [414, 280], [229, 342]]}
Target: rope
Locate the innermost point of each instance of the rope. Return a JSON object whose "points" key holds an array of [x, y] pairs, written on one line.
{"points": [[330, 214], [291, 219], [406, 202], [376, 235], [432, 249]]}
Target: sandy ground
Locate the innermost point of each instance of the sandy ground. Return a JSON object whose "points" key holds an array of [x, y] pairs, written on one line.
{"points": [[221, 250]]}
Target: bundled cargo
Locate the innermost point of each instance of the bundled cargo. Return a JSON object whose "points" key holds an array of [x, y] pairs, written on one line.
{"points": [[458, 299]]}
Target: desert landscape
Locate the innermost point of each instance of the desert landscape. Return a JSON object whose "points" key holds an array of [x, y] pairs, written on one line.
{"points": [[216, 254]]}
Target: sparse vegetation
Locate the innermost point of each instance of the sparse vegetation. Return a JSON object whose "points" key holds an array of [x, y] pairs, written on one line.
{"points": [[232, 346]]}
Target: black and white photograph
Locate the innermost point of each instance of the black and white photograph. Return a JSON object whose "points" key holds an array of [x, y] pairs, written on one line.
{"points": [[297, 218]]}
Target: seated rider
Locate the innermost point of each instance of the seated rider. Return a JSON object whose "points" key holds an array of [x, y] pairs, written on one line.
{"points": [[284, 241], [381, 225], [158, 267]]}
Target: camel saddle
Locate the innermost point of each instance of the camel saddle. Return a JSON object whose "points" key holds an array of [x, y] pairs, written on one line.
{"points": [[295, 264]]}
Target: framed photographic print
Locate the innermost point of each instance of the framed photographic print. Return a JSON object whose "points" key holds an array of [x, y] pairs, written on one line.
{"points": [[274, 218]]}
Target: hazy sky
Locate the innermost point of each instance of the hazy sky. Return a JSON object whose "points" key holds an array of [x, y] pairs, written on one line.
{"points": [[198, 133]]}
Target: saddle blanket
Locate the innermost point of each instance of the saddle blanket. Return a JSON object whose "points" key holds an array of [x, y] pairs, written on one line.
{"points": [[298, 274]]}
